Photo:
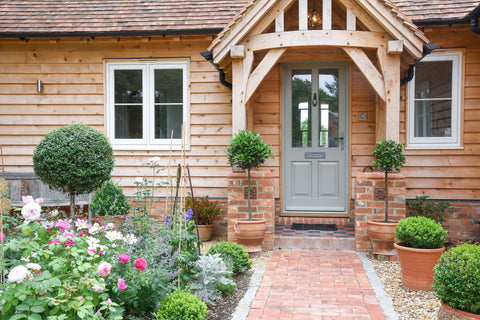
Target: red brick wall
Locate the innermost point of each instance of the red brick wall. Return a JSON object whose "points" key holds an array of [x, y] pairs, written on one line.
{"points": [[459, 225], [367, 207], [262, 207]]}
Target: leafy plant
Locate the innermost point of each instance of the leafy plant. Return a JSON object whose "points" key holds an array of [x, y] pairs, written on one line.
{"points": [[420, 232], [247, 150], [182, 306], [205, 209], [388, 158], [435, 210], [110, 201], [457, 278], [210, 274], [234, 255], [75, 159]]}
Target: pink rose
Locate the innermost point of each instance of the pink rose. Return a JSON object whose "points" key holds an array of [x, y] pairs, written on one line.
{"points": [[2, 236], [80, 298], [104, 269], [121, 284], [27, 199], [124, 258], [109, 301], [31, 211], [63, 225], [39, 200], [141, 264]]}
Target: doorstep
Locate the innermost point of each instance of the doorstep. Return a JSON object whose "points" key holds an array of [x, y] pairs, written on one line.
{"points": [[343, 239]]}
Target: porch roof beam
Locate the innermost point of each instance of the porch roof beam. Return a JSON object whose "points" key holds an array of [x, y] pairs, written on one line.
{"points": [[331, 38]]}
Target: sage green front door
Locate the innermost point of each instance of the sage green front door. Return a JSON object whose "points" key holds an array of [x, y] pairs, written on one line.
{"points": [[314, 137]]}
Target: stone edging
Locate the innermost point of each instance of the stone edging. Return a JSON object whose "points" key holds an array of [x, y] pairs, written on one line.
{"points": [[243, 307]]}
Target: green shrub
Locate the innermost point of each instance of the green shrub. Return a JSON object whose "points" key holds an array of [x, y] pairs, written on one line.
{"points": [[234, 255], [435, 210], [75, 159], [205, 209], [420, 232], [110, 201], [457, 278], [181, 306]]}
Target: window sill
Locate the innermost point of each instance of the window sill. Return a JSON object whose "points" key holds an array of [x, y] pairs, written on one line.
{"points": [[433, 146], [149, 147]]}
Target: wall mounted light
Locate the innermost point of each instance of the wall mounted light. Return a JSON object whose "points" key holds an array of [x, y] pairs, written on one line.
{"points": [[39, 86]]}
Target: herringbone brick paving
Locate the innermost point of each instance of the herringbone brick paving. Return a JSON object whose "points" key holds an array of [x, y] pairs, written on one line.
{"points": [[315, 284]]}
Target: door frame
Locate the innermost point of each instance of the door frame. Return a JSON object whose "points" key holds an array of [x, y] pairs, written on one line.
{"points": [[344, 66]]}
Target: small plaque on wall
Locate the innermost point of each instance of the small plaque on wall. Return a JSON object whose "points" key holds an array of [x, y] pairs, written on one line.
{"points": [[253, 193], [379, 194]]}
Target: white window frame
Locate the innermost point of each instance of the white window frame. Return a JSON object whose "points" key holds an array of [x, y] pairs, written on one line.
{"points": [[452, 142], [148, 142]]}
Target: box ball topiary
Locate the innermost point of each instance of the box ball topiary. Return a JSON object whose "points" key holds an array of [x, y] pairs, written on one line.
{"points": [[181, 306], [457, 278], [234, 255], [420, 232], [109, 200], [75, 159]]}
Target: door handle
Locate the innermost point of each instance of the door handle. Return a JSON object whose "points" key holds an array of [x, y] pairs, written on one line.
{"points": [[341, 139], [314, 101]]}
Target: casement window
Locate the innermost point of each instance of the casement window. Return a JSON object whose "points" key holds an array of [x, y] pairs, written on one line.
{"points": [[434, 103], [147, 104]]}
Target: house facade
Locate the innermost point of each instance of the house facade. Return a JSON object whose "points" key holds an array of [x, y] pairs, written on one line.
{"points": [[321, 81]]}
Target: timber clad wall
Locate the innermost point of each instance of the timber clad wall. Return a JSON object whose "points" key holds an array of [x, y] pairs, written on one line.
{"points": [[72, 71]]}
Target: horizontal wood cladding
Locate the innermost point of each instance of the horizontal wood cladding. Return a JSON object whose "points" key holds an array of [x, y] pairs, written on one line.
{"points": [[72, 71]]}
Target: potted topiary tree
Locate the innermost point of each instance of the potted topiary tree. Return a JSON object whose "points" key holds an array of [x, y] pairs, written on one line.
{"points": [[457, 283], [247, 151], [388, 159], [420, 243], [75, 159], [204, 213], [110, 204]]}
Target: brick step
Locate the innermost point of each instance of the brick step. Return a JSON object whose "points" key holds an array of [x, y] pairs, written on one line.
{"points": [[342, 240], [314, 243]]}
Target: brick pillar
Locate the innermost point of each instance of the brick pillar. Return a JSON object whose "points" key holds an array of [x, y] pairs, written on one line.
{"points": [[370, 205], [263, 205]]}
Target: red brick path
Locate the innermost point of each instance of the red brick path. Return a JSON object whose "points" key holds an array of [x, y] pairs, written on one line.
{"points": [[301, 284]]}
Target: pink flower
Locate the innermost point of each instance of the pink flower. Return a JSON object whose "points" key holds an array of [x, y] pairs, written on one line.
{"points": [[31, 211], [27, 199], [104, 269], [2, 236], [124, 258], [63, 225], [69, 242], [39, 200], [140, 264], [109, 301], [121, 284], [80, 298]]}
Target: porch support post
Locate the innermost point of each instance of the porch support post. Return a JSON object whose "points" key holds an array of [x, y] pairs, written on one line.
{"points": [[239, 114], [388, 110]]}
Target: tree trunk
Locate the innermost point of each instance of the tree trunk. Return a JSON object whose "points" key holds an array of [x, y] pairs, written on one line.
{"points": [[249, 207], [72, 205]]}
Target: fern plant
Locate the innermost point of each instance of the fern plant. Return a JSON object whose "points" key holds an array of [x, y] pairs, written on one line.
{"points": [[211, 273]]}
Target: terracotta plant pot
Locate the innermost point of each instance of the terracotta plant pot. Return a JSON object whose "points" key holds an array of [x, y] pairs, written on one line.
{"points": [[382, 235], [447, 313], [417, 266], [250, 234], [205, 231]]}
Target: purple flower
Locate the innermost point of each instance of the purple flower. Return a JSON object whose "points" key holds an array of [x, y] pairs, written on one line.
{"points": [[189, 214], [167, 220]]}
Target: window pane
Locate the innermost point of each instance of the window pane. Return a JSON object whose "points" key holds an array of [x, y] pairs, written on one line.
{"points": [[301, 109], [168, 85], [128, 86], [433, 118], [168, 118], [128, 122], [328, 103], [433, 79]]}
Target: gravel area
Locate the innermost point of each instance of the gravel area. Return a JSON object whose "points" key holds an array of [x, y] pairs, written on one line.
{"points": [[408, 304]]}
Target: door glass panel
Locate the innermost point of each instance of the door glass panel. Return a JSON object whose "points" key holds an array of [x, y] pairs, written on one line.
{"points": [[301, 108], [328, 108]]}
